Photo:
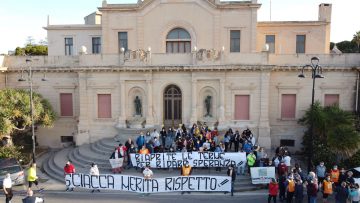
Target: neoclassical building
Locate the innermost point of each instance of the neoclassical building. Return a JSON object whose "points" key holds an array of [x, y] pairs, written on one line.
{"points": [[171, 62]]}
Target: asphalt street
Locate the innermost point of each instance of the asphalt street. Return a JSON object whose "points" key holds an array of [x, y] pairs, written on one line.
{"points": [[82, 197]]}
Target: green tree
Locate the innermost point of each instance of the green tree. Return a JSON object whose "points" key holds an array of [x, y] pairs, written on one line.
{"points": [[356, 39], [15, 111], [335, 136], [347, 46]]}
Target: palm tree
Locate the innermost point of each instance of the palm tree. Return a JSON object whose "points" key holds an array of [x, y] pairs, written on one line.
{"points": [[334, 130], [356, 39]]}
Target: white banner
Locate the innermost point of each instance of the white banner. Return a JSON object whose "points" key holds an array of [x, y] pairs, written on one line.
{"points": [[141, 185], [195, 159], [262, 175]]}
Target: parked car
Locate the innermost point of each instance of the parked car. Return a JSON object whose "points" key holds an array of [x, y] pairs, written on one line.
{"points": [[13, 167]]}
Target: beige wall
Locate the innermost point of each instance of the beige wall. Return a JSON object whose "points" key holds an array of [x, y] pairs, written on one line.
{"points": [[285, 36], [81, 37]]}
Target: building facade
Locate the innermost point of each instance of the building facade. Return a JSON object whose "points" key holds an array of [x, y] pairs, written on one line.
{"points": [[171, 62]]}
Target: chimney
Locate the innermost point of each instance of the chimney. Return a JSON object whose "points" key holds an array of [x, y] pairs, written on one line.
{"points": [[325, 12]]}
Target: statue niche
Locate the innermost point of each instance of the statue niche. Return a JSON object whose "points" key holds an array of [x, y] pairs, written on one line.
{"points": [[208, 106], [138, 106]]}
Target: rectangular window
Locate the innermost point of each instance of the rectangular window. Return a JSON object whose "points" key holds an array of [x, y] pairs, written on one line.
{"points": [[270, 40], [67, 139], [300, 44], [66, 104], [96, 45], [242, 104], [288, 143], [123, 40], [104, 105], [288, 106], [234, 40], [331, 99], [69, 45]]}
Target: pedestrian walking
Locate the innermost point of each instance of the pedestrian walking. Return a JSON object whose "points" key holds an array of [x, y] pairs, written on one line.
{"points": [[7, 188], [94, 171], [273, 190], [32, 177], [69, 168]]}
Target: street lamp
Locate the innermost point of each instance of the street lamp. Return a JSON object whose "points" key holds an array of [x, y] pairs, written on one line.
{"points": [[316, 72], [29, 79]]}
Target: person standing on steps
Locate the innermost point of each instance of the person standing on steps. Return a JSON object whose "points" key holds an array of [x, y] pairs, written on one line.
{"points": [[7, 187], [69, 169], [94, 171]]}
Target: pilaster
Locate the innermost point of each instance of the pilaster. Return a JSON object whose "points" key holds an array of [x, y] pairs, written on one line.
{"points": [[193, 100], [83, 133], [122, 118], [149, 115], [264, 139]]}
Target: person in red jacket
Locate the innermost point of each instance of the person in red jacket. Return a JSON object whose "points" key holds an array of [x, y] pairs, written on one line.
{"points": [[69, 169], [273, 190]]}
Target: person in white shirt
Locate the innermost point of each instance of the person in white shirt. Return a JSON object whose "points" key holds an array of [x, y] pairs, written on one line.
{"points": [[7, 187], [94, 171], [148, 174], [287, 160], [155, 134], [30, 198]]}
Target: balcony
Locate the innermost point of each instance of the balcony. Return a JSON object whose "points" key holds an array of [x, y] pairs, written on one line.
{"points": [[167, 60]]}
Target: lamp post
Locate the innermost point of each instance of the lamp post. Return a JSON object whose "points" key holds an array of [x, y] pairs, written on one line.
{"points": [[29, 79], [316, 72]]}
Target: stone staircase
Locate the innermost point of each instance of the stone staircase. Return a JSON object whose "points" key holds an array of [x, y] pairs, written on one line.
{"points": [[99, 153]]}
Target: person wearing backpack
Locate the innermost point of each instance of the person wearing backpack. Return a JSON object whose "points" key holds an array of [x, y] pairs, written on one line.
{"points": [[282, 168]]}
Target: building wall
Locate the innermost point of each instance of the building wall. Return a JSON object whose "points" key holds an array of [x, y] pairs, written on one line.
{"points": [[285, 36], [81, 37]]}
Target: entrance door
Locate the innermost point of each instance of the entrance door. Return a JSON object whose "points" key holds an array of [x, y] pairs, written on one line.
{"points": [[172, 106]]}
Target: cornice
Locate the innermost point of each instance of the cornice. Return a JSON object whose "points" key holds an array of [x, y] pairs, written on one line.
{"points": [[177, 68], [290, 23], [73, 27]]}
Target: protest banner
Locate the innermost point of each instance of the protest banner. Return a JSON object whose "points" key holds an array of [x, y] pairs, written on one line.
{"points": [[141, 185], [262, 175], [195, 159]]}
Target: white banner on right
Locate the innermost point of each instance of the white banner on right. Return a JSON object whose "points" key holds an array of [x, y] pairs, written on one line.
{"points": [[262, 175]]}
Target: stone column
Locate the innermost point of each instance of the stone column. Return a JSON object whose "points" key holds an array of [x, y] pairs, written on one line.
{"points": [[222, 101], [149, 115], [122, 118], [193, 101], [83, 128], [264, 138]]}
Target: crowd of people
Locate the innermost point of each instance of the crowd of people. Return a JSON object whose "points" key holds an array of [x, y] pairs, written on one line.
{"points": [[291, 183], [195, 139]]}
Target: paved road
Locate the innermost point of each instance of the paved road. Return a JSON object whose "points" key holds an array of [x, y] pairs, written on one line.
{"points": [[82, 197]]}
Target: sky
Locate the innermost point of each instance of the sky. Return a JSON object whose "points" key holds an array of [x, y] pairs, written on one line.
{"points": [[23, 18]]}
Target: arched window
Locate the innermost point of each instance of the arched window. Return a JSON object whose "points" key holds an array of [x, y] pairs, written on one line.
{"points": [[178, 40]]}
